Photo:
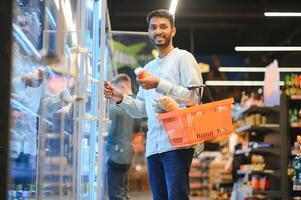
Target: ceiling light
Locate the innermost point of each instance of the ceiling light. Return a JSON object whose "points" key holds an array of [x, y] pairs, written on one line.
{"points": [[282, 14], [268, 48], [257, 69], [173, 6], [237, 83], [57, 4]]}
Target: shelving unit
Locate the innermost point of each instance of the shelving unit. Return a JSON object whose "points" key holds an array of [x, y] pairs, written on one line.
{"points": [[258, 128], [195, 176], [295, 125], [271, 193], [271, 133], [264, 172], [295, 97], [260, 109], [199, 174], [290, 131], [270, 150]]}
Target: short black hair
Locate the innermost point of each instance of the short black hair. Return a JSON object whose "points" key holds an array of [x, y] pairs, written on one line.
{"points": [[160, 13], [121, 78]]}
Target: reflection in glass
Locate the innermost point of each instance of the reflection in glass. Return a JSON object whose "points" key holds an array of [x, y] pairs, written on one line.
{"points": [[53, 101]]}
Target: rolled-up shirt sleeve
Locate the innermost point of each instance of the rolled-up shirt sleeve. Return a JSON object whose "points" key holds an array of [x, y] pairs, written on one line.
{"points": [[189, 75], [134, 107]]}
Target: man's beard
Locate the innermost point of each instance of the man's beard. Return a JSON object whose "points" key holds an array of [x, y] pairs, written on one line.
{"points": [[161, 45]]}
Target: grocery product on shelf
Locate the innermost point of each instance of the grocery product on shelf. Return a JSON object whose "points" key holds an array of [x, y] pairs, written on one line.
{"points": [[297, 167], [292, 84], [257, 159]]}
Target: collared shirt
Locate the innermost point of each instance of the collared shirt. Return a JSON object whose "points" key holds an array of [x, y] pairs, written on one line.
{"points": [[176, 71], [24, 131]]}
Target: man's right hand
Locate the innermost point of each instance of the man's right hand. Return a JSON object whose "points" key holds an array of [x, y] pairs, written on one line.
{"points": [[112, 92]]}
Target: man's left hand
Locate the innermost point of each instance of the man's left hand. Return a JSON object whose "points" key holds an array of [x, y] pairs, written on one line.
{"points": [[149, 82]]}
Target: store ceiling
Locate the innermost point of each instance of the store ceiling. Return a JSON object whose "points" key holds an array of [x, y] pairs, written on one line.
{"points": [[209, 27]]}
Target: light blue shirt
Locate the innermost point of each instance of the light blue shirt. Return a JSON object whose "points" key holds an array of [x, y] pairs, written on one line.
{"points": [[176, 71]]}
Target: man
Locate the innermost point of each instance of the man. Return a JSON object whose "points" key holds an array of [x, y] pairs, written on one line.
{"points": [[169, 74], [119, 144]]}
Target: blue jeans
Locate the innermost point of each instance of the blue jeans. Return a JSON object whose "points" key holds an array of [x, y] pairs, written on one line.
{"points": [[117, 180], [169, 174], [23, 170]]}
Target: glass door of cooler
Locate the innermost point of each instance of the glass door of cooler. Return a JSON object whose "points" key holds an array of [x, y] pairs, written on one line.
{"points": [[57, 105]]}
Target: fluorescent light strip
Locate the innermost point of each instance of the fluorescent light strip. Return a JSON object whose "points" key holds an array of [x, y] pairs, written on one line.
{"points": [[90, 5], [282, 14], [267, 48], [50, 18], [238, 83], [56, 2], [173, 6], [257, 69], [27, 44]]}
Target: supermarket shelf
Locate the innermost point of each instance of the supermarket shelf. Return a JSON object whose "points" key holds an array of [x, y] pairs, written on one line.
{"points": [[223, 184], [246, 172], [52, 135], [86, 118], [195, 175], [195, 185], [196, 165], [270, 193], [258, 128], [295, 97], [56, 184], [270, 150], [55, 160], [260, 109], [57, 173], [296, 125]]}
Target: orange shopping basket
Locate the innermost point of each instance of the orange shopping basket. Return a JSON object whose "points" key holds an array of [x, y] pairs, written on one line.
{"points": [[196, 124]]}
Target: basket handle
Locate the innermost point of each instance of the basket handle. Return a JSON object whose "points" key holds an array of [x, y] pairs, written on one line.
{"points": [[200, 88]]}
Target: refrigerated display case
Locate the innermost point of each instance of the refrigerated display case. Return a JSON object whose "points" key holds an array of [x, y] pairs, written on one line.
{"points": [[5, 63], [57, 105]]}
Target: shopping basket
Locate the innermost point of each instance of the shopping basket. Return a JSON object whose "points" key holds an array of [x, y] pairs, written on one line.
{"points": [[196, 124]]}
